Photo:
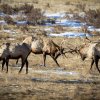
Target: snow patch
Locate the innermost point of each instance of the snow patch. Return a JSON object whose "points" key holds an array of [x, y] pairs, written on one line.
{"points": [[54, 15], [70, 34], [58, 72]]}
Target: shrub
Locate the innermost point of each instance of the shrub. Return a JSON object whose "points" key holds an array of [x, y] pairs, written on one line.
{"points": [[4, 36], [16, 9], [34, 16], [81, 6], [67, 3], [7, 9], [48, 5], [26, 8], [9, 20], [93, 17], [35, 1]]}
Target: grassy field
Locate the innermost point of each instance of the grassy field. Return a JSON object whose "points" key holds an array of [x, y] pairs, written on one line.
{"points": [[58, 5], [50, 82]]}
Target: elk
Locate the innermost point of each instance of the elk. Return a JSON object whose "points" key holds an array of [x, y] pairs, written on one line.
{"points": [[46, 47], [9, 51], [91, 51]]}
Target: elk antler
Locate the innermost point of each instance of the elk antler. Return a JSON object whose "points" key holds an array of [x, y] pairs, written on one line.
{"points": [[72, 50], [86, 38], [63, 41]]}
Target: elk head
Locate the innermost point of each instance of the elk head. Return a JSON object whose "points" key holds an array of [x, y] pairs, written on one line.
{"points": [[60, 50]]}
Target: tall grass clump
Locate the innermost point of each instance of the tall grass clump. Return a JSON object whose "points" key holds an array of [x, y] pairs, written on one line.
{"points": [[9, 20], [7, 9], [33, 15], [93, 17]]}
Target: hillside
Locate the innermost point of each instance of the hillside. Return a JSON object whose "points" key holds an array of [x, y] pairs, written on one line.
{"points": [[58, 5]]}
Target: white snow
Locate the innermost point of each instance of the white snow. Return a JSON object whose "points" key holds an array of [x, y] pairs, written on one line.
{"points": [[9, 31], [21, 22], [2, 22], [57, 72], [2, 14], [54, 15], [70, 23], [60, 20], [70, 34]]}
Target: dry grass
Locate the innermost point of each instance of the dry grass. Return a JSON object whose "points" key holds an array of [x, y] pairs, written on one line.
{"points": [[50, 86], [58, 5]]}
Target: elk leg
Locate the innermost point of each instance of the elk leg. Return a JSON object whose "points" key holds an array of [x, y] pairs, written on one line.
{"points": [[57, 54], [92, 62], [3, 63], [26, 67], [55, 61], [7, 61], [44, 58], [23, 62], [17, 61], [96, 62]]}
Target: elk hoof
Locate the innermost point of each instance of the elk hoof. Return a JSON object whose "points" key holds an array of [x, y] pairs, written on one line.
{"points": [[26, 72], [6, 71], [43, 65], [19, 72]]}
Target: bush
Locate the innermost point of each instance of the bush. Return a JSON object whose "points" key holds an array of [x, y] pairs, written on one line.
{"points": [[48, 5], [81, 6], [7, 9], [9, 20], [26, 8], [4, 36], [16, 9], [93, 17], [34, 16]]}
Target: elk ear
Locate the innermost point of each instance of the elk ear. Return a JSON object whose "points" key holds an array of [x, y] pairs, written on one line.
{"points": [[62, 42], [7, 44], [86, 39], [76, 50], [4, 43]]}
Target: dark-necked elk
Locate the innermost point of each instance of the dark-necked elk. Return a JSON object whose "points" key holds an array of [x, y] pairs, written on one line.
{"points": [[9, 51], [91, 51]]}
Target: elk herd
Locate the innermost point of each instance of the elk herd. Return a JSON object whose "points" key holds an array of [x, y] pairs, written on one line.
{"points": [[46, 47]]}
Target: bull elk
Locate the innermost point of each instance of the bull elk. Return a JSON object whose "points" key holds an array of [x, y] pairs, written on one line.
{"points": [[90, 50], [46, 47]]}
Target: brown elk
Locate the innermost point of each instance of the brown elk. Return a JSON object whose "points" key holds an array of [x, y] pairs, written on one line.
{"points": [[91, 51], [46, 47], [9, 51]]}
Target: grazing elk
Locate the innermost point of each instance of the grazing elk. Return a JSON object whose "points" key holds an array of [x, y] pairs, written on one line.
{"points": [[9, 51]]}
